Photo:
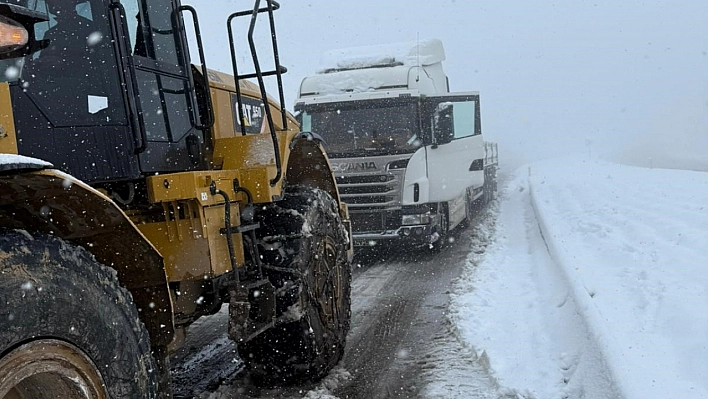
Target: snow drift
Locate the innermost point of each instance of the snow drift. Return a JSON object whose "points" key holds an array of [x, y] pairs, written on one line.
{"points": [[596, 284]]}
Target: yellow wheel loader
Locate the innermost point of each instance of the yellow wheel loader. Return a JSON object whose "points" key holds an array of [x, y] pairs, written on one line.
{"points": [[139, 192]]}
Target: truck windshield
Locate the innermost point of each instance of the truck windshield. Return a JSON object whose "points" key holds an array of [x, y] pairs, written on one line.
{"points": [[360, 128]]}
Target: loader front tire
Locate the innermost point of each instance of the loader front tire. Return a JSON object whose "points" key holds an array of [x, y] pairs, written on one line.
{"points": [[303, 244], [67, 328]]}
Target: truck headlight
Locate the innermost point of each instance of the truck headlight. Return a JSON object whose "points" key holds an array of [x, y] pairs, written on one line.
{"points": [[12, 35], [423, 218]]}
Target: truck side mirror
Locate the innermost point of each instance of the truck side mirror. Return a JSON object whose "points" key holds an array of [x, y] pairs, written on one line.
{"points": [[443, 124], [17, 31]]}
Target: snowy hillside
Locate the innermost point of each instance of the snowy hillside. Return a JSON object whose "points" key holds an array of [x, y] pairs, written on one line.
{"points": [[595, 285]]}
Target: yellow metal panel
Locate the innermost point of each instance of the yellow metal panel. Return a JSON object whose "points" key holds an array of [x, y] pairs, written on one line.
{"points": [[220, 261], [223, 114], [8, 140], [186, 259], [190, 254], [222, 83], [190, 237], [253, 156], [247, 151], [257, 181], [192, 185]]}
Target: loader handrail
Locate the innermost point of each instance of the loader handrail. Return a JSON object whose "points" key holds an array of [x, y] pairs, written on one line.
{"points": [[117, 12], [199, 124], [259, 74]]}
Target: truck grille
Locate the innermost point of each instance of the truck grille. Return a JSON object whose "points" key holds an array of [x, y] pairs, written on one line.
{"points": [[374, 201], [366, 191], [364, 179]]}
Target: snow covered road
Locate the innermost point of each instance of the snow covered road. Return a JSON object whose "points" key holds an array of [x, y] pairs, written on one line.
{"points": [[401, 338], [595, 285], [586, 280]]}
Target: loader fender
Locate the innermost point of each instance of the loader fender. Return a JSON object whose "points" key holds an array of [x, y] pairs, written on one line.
{"points": [[308, 166], [51, 202]]}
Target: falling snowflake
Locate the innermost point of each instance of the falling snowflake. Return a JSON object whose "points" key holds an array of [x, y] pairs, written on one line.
{"points": [[94, 38], [12, 73]]}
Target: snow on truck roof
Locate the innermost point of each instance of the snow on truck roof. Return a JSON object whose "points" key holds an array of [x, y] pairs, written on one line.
{"points": [[422, 53], [372, 68], [354, 81]]}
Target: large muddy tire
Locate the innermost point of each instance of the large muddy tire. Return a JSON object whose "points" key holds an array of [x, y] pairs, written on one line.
{"points": [[67, 329], [304, 244]]}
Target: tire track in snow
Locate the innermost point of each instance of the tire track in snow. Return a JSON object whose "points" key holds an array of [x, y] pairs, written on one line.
{"points": [[401, 335]]}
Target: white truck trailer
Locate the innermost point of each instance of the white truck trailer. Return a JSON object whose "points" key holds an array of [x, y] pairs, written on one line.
{"points": [[407, 154]]}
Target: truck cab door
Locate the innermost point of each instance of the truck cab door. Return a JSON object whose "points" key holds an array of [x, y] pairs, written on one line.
{"points": [[454, 148]]}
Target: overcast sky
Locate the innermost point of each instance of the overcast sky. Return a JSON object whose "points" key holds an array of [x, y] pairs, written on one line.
{"points": [[598, 78]]}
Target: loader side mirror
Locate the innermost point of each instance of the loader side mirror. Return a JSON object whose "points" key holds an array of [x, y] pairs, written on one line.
{"points": [[443, 124], [17, 37], [13, 36]]}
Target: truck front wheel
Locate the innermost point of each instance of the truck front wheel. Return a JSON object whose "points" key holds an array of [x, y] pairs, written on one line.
{"points": [[442, 230], [303, 244], [67, 328], [469, 209]]}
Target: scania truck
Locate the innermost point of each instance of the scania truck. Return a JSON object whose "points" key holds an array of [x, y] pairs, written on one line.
{"points": [[408, 155]]}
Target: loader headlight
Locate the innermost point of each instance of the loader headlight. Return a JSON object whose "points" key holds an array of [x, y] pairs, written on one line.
{"points": [[12, 35], [423, 218]]}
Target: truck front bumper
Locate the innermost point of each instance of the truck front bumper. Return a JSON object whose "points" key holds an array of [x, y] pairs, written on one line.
{"points": [[415, 234]]}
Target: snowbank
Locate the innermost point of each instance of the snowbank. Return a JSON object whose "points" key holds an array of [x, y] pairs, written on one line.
{"points": [[595, 286]]}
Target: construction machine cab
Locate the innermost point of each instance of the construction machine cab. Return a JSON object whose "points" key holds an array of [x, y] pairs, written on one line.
{"points": [[111, 97], [176, 158]]}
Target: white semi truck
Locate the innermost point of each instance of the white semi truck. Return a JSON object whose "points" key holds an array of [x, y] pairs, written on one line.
{"points": [[407, 154]]}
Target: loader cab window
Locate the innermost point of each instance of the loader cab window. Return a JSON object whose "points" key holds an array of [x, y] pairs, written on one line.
{"points": [[158, 55], [74, 80], [135, 28], [151, 32], [164, 42]]}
